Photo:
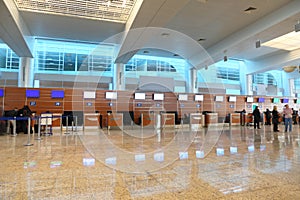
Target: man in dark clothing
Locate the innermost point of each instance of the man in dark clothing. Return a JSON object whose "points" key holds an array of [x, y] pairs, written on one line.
{"points": [[256, 115], [268, 116]]}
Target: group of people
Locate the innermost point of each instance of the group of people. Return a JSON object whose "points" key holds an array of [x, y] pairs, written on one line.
{"points": [[21, 125], [288, 118]]}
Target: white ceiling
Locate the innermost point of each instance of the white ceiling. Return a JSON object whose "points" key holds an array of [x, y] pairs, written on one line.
{"points": [[224, 25]]}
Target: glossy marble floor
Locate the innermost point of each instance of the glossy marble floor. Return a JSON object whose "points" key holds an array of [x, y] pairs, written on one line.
{"points": [[204, 163]]}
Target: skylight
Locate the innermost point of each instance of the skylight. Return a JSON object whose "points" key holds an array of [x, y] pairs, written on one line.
{"points": [[289, 42], [107, 10]]}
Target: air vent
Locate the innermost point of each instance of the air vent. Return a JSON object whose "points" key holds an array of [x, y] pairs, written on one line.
{"points": [[201, 39], [250, 9]]}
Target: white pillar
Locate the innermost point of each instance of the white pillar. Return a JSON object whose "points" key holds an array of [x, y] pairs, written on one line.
{"points": [[25, 76], [119, 79], [292, 87], [249, 85], [193, 81]]}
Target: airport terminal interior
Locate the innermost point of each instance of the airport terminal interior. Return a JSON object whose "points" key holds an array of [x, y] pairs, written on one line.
{"points": [[149, 99]]}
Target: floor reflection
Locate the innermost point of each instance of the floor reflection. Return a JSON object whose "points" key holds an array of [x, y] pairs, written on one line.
{"points": [[176, 163]]}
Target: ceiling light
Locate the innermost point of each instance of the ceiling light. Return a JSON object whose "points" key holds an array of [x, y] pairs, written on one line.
{"points": [[165, 35], [201, 39], [289, 69], [145, 52], [289, 42]]}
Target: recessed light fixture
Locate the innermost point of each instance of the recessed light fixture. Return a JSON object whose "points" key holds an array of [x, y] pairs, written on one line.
{"points": [[145, 52], [250, 9], [165, 34], [201, 39], [176, 55]]}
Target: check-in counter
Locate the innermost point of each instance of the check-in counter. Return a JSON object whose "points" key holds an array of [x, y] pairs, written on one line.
{"points": [[91, 120], [168, 120], [196, 121], [57, 119], [148, 119], [115, 120], [211, 119], [235, 119]]}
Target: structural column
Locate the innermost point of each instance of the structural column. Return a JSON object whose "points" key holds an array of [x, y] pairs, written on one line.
{"points": [[119, 79], [193, 81], [25, 76], [249, 85]]}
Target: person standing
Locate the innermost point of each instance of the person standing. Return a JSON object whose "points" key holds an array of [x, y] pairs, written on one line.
{"points": [[268, 117], [275, 119], [288, 114], [256, 115]]}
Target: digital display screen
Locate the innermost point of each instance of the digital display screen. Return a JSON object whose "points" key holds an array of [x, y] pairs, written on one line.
{"points": [[261, 100], [276, 100], [219, 98], [57, 94], [285, 100], [32, 103], [32, 93], [139, 96], [182, 97], [158, 97], [89, 104], [1, 92], [232, 99], [199, 97], [57, 103], [249, 99], [111, 95]]}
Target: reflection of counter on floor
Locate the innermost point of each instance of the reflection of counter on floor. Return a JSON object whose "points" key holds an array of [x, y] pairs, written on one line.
{"points": [[91, 120], [167, 120], [211, 119], [196, 120]]}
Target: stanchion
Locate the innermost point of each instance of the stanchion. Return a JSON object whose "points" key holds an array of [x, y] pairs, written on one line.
{"points": [[39, 129], [28, 134], [76, 130], [72, 129], [14, 127], [67, 125], [46, 129]]}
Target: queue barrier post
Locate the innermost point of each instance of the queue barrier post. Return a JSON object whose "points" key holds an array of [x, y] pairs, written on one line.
{"points": [[28, 133]]}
